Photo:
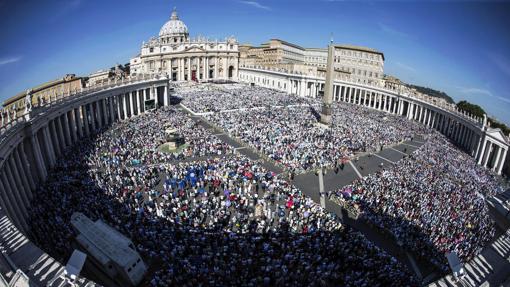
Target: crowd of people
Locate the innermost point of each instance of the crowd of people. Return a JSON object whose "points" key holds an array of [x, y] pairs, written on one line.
{"points": [[206, 215], [206, 98], [432, 202], [140, 139], [220, 221], [291, 136]]}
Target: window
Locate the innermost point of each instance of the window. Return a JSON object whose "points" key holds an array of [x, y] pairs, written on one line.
{"points": [[151, 50]]}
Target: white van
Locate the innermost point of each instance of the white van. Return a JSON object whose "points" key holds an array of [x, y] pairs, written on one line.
{"points": [[455, 265]]}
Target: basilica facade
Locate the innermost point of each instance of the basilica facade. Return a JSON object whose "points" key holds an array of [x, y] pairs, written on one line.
{"points": [[183, 58]]}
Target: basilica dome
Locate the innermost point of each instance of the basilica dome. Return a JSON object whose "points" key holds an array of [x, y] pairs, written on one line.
{"points": [[174, 26]]}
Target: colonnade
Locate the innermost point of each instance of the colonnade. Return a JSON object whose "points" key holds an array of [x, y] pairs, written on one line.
{"points": [[466, 134], [488, 146], [34, 147]]}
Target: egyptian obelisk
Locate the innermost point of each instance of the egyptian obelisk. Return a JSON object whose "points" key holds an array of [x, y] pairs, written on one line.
{"points": [[327, 100]]}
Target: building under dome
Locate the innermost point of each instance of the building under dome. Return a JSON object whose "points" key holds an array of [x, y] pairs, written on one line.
{"points": [[183, 58]]}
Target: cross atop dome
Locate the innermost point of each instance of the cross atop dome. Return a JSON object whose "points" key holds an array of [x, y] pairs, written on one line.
{"points": [[174, 14]]}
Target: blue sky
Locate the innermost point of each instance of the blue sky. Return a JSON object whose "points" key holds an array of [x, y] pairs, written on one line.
{"points": [[462, 48]]}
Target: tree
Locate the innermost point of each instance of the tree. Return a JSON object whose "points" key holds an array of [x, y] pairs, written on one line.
{"points": [[473, 109], [476, 110], [433, 93]]}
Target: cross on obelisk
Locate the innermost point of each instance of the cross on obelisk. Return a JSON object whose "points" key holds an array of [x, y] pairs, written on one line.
{"points": [[327, 100]]}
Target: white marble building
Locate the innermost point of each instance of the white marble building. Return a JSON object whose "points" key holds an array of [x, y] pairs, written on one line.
{"points": [[183, 58]]}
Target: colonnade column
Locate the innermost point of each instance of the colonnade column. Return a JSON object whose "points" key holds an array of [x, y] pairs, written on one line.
{"points": [[216, 68], [136, 102], [487, 154], [67, 132], [58, 135], [24, 176], [189, 69], [11, 204], [302, 88], [8, 206], [144, 96], [20, 184], [155, 95], [101, 119], [118, 106], [94, 108], [165, 95], [124, 106], [131, 104], [501, 162], [464, 136], [28, 166], [15, 195], [86, 119], [469, 143], [112, 110], [69, 117], [79, 125], [105, 112], [139, 102], [481, 152], [41, 168], [51, 146]]}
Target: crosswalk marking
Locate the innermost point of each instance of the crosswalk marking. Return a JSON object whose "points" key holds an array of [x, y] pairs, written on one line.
{"points": [[356, 170], [383, 158], [398, 151], [411, 145]]}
